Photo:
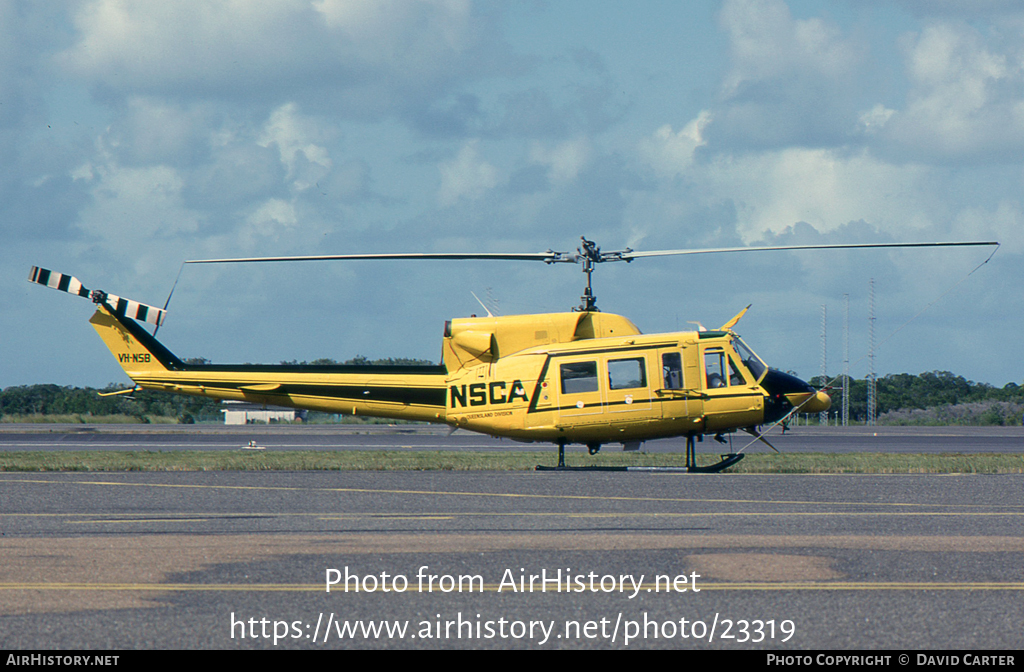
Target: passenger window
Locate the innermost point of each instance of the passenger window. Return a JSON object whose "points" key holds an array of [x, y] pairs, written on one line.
{"points": [[579, 377], [672, 368], [625, 374]]}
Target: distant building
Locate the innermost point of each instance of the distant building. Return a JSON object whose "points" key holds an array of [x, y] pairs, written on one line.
{"points": [[246, 413]]}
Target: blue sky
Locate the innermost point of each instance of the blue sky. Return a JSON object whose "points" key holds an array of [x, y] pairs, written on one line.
{"points": [[136, 135]]}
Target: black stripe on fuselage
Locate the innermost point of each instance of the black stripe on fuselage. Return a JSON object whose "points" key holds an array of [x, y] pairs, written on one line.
{"points": [[539, 387], [155, 347], [395, 394], [361, 369], [652, 400]]}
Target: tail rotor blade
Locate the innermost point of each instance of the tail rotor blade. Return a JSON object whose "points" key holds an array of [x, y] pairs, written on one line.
{"points": [[61, 281], [135, 310], [72, 285]]}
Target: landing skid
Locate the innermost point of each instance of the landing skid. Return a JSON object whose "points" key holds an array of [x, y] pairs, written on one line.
{"points": [[727, 461]]}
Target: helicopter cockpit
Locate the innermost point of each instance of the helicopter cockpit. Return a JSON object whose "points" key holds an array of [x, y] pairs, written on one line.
{"points": [[754, 363], [732, 365]]}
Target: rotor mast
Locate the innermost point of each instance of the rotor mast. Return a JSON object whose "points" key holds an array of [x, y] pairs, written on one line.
{"points": [[590, 254]]}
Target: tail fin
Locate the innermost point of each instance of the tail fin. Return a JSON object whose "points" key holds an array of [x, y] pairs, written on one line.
{"points": [[138, 353]]}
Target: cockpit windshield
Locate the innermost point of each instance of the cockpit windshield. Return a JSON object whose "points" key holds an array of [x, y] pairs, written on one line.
{"points": [[752, 361]]}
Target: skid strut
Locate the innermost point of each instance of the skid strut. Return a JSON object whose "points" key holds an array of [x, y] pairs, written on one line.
{"points": [[727, 461]]}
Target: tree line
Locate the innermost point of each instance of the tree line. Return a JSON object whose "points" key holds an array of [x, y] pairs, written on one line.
{"points": [[900, 393], [50, 400]]}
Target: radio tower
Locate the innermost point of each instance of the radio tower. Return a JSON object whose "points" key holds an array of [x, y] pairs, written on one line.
{"points": [[846, 359], [823, 416], [872, 388]]}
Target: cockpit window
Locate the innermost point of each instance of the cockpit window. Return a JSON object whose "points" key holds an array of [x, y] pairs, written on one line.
{"points": [[714, 369], [735, 377], [721, 369], [749, 359]]}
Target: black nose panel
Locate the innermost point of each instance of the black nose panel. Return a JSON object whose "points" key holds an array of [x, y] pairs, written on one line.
{"points": [[778, 384]]}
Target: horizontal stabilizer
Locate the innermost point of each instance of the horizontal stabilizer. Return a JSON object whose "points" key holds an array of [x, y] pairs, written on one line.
{"points": [[72, 285]]}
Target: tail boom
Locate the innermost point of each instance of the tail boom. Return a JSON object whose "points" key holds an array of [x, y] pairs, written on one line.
{"points": [[399, 392]]}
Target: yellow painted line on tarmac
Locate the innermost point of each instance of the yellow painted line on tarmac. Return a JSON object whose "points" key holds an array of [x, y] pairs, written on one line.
{"points": [[511, 495], [168, 587], [228, 446], [647, 588], [96, 518], [701, 514], [393, 517], [893, 585], [122, 517], [137, 520]]}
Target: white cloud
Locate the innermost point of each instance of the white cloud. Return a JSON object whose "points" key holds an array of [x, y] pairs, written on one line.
{"points": [[270, 220], [671, 153], [1003, 222], [127, 41], [565, 160], [466, 176], [791, 81], [132, 207], [875, 119], [293, 135], [774, 189], [386, 31], [351, 56], [825, 188], [965, 98], [767, 43], [158, 131]]}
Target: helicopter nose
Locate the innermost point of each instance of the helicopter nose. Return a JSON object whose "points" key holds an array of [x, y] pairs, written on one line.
{"points": [[787, 392], [818, 402]]}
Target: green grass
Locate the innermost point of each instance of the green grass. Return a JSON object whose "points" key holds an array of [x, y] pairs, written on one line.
{"points": [[387, 460]]}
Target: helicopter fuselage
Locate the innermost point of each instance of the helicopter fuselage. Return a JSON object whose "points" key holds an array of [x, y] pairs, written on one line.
{"points": [[589, 378]]}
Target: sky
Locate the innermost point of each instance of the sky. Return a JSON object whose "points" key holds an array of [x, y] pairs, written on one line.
{"points": [[136, 135]]}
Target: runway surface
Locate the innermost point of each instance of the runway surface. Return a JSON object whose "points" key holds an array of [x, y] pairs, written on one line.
{"points": [[438, 437], [229, 560]]}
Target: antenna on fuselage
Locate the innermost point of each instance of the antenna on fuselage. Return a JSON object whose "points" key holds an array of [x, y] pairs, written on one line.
{"points": [[481, 304]]}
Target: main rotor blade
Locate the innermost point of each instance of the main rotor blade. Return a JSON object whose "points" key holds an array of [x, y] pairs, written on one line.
{"points": [[552, 257], [549, 257], [630, 255]]}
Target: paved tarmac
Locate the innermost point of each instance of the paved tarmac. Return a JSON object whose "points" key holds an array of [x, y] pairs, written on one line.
{"points": [[445, 560], [438, 437]]}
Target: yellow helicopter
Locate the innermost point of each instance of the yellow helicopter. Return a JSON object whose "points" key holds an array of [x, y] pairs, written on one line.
{"points": [[581, 377]]}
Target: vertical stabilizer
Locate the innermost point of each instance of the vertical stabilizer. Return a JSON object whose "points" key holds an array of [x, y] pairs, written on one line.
{"points": [[137, 352]]}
